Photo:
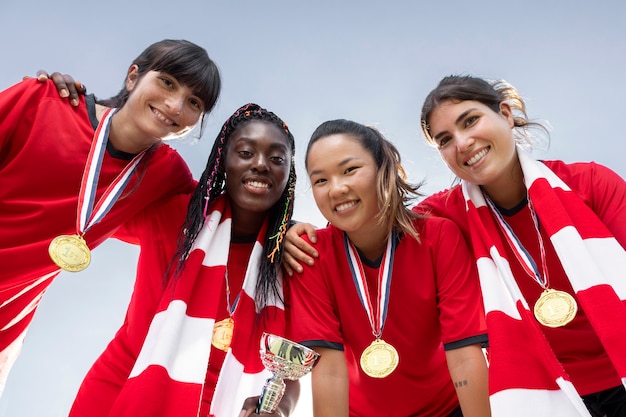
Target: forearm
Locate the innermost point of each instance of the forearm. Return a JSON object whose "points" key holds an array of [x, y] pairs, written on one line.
{"points": [[468, 370], [330, 384], [290, 399], [331, 399]]}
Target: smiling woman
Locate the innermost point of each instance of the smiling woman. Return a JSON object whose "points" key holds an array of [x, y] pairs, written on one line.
{"points": [[549, 239], [387, 290], [90, 168], [256, 169], [208, 285]]}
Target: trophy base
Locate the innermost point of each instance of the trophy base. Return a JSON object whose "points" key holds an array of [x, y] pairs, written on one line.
{"points": [[272, 393]]}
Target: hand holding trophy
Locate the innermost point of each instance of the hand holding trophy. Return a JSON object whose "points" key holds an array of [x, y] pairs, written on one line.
{"points": [[284, 359]]}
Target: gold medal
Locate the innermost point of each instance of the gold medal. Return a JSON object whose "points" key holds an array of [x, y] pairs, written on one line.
{"points": [[70, 252], [379, 359], [223, 334], [555, 308]]}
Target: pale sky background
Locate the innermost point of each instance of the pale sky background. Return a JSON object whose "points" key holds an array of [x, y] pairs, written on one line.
{"points": [[371, 61]]}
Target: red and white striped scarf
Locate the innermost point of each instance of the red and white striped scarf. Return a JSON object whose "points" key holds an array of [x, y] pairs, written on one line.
{"points": [[525, 376], [168, 376]]}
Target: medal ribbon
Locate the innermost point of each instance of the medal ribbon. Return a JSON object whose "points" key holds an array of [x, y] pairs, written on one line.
{"points": [[376, 319], [88, 215], [522, 255], [231, 309]]}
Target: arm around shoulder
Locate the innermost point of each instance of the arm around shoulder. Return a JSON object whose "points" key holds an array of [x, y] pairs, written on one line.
{"points": [[297, 250]]}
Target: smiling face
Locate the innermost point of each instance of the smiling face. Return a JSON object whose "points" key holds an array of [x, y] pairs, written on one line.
{"points": [[343, 179], [476, 143], [159, 105], [257, 163]]}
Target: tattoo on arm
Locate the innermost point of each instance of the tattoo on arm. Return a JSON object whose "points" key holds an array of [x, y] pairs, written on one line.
{"points": [[460, 384]]}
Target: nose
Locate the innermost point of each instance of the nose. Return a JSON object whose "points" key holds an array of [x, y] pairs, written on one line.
{"points": [[464, 142], [259, 163], [175, 103], [337, 188]]}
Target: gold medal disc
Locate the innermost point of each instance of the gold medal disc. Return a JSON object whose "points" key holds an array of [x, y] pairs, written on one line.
{"points": [[223, 334], [555, 308], [70, 252], [379, 359]]}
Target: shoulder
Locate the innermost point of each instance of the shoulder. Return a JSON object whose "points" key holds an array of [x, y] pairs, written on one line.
{"points": [[170, 167], [162, 218], [326, 235], [31, 91], [167, 153], [583, 177], [330, 242], [434, 229], [442, 202]]}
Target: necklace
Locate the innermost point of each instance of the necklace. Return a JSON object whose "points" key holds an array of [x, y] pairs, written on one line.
{"points": [[554, 308]]}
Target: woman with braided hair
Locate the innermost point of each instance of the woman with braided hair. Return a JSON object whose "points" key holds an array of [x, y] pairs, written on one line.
{"points": [[208, 285]]}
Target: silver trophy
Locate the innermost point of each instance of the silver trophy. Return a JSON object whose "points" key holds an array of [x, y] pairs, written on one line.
{"points": [[285, 360]]}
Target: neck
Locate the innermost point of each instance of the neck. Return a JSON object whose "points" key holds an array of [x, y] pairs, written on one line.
{"points": [[122, 135], [247, 224], [509, 190], [371, 244]]}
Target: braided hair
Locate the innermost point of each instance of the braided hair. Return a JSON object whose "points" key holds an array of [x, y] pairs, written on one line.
{"points": [[212, 184]]}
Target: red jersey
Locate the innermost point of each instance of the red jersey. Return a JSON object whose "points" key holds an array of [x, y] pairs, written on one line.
{"points": [[576, 345], [157, 231], [44, 144], [433, 285]]}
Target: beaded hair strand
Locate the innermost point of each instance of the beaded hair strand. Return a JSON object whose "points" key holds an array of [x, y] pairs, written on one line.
{"points": [[212, 184]]}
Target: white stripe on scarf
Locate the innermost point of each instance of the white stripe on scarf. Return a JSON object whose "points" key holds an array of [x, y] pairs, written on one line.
{"points": [[587, 262], [182, 344]]}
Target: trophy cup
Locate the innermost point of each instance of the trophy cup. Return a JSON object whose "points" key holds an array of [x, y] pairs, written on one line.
{"points": [[285, 360]]}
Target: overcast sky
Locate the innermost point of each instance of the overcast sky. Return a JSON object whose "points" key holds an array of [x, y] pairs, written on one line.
{"points": [[370, 61]]}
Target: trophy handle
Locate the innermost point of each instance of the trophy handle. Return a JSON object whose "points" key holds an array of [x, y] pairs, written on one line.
{"points": [[272, 393]]}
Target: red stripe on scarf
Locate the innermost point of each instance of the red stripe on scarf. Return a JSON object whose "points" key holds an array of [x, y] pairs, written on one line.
{"points": [[188, 307], [520, 356]]}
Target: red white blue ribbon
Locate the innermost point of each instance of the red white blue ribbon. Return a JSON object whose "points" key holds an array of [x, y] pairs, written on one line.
{"points": [[88, 215], [376, 317], [522, 255]]}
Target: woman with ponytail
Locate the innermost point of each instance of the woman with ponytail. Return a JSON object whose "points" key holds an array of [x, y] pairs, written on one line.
{"points": [[392, 303], [549, 239]]}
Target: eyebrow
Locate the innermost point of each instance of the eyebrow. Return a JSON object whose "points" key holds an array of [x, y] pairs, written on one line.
{"points": [[273, 145], [458, 119], [341, 163]]}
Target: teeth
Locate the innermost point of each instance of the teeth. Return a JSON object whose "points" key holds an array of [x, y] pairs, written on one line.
{"points": [[257, 184], [162, 117], [345, 206], [477, 157]]}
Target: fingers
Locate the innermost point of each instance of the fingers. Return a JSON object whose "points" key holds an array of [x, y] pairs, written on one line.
{"points": [[297, 250], [294, 257], [42, 75], [290, 264], [249, 407], [312, 235], [68, 87]]}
